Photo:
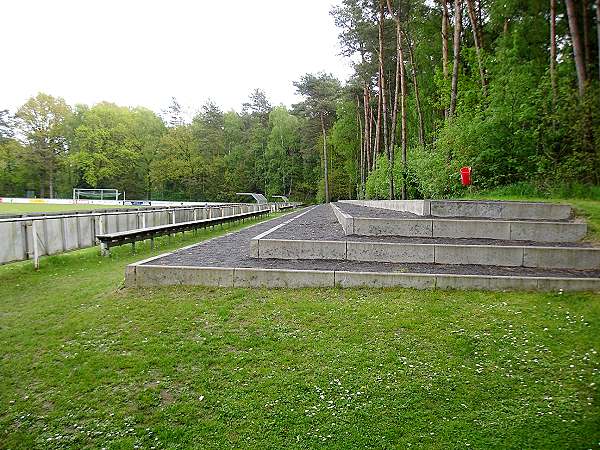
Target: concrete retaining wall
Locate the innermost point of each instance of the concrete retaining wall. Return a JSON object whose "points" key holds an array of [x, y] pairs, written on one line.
{"points": [[345, 220], [457, 228], [472, 208], [420, 207], [499, 210], [57, 234], [145, 275], [487, 255]]}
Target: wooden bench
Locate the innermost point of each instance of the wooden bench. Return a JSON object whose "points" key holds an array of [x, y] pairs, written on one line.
{"points": [[109, 240]]}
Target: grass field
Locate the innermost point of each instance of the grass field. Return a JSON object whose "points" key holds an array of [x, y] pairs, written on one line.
{"points": [[23, 208], [87, 363]]}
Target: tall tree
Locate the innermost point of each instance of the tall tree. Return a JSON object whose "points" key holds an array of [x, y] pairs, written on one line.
{"points": [[456, 43], [321, 92], [476, 40], [577, 46], [598, 32], [42, 122], [445, 39], [553, 51]]}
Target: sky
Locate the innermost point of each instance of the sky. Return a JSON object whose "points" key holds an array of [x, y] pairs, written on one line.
{"points": [[143, 52]]}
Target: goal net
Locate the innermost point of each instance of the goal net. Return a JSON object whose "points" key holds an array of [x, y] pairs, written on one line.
{"points": [[96, 194]]}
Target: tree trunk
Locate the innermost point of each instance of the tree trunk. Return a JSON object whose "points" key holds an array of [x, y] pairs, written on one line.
{"points": [[361, 157], [475, 28], [399, 86], [382, 91], [445, 27], [417, 95], [577, 47], [553, 52], [586, 36], [598, 31], [51, 183], [367, 138], [457, 30], [325, 159]]}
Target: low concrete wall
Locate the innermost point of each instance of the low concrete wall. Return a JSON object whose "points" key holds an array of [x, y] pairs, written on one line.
{"points": [[487, 255], [345, 220], [457, 228], [24, 237], [146, 275], [499, 210], [473, 208], [420, 207]]}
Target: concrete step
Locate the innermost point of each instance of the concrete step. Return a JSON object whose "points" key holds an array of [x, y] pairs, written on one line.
{"points": [[507, 230], [580, 258], [145, 274], [472, 208]]}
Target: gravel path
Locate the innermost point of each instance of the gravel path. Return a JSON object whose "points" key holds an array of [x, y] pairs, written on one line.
{"points": [[232, 250]]}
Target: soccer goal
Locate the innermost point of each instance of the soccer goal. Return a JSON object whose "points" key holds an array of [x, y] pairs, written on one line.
{"points": [[96, 194]]}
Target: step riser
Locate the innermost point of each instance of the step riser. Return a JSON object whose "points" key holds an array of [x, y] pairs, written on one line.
{"points": [[516, 231], [148, 275], [485, 209], [535, 257]]}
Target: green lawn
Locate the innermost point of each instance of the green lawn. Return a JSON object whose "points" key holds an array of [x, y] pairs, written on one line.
{"points": [[22, 208], [89, 364]]}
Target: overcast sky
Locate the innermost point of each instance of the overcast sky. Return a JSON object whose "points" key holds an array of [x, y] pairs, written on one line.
{"points": [[143, 52]]}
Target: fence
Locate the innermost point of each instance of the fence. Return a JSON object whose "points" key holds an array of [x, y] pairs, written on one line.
{"points": [[28, 237]]}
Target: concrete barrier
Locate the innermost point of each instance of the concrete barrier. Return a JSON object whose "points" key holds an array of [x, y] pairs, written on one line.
{"points": [[282, 278], [345, 220], [462, 228], [300, 249], [499, 209], [145, 275], [390, 252], [384, 279], [473, 208], [392, 227], [488, 255], [419, 207]]}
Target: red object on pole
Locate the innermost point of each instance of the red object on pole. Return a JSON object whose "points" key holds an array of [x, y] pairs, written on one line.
{"points": [[465, 176]]}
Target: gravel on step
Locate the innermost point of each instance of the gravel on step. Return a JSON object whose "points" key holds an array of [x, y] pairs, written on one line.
{"points": [[232, 250]]}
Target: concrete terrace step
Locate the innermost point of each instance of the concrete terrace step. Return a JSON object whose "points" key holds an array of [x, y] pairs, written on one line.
{"points": [[488, 255], [146, 274], [472, 208], [522, 230]]}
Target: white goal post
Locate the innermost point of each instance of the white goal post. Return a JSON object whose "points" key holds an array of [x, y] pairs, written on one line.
{"points": [[96, 194]]}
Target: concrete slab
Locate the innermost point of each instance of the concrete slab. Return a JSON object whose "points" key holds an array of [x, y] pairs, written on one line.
{"points": [[392, 227], [547, 231], [148, 275], [390, 252], [382, 279], [499, 209], [420, 207], [284, 278], [484, 229], [479, 254], [569, 258], [299, 249], [569, 284], [345, 220]]}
